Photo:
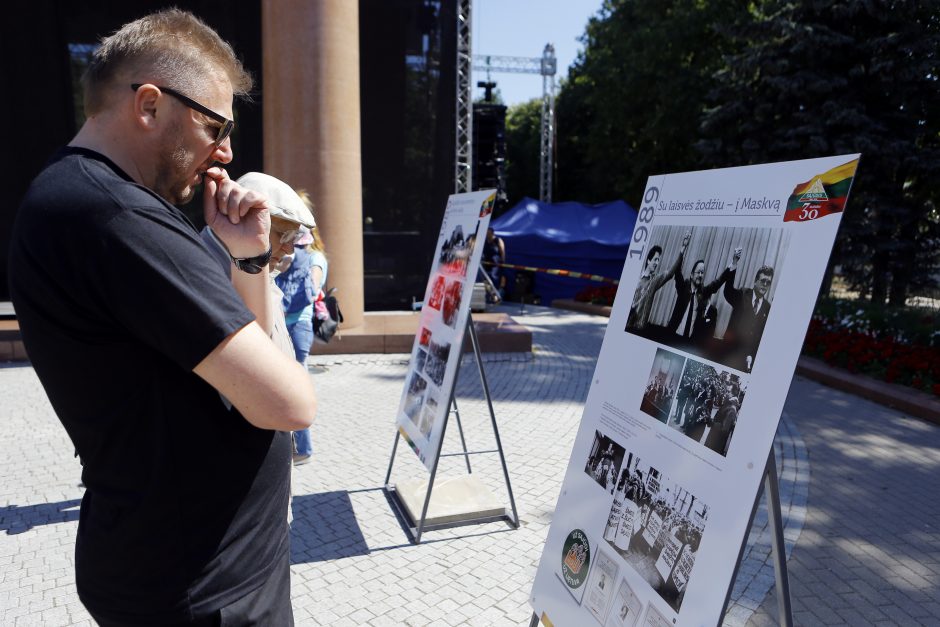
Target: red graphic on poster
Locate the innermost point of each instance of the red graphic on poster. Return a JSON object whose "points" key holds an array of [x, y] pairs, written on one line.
{"points": [[437, 293]]}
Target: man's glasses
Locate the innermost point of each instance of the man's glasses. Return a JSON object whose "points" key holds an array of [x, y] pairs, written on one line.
{"points": [[227, 125], [764, 281], [292, 236]]}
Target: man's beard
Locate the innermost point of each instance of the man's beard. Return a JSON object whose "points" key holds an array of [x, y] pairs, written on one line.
{"points": [[174, 171]]}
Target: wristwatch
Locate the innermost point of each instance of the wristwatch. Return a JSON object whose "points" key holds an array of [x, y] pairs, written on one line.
{"points": [[253, 265]]}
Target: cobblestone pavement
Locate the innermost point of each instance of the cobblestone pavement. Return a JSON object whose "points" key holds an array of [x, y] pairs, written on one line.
{"points": [[352, 563]]}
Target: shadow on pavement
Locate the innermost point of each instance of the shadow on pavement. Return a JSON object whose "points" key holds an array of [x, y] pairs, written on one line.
{"points": [[16, 519], [325, 528]]}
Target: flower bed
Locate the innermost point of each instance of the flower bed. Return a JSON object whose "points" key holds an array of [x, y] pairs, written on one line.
{"points": [[901, 346], [602, 295]]}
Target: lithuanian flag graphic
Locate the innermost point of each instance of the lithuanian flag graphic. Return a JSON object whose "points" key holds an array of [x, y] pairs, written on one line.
{"points": [[821, 195]]}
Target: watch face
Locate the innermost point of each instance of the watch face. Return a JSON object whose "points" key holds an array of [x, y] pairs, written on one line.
{"points": [[253, 265], [248, 266]]}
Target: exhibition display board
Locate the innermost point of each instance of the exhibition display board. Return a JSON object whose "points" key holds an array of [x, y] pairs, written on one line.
{"points": [[717, 291], [438, 342]]}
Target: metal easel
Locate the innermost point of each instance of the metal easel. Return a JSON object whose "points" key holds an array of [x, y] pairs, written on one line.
{"points": [[416, 530]]}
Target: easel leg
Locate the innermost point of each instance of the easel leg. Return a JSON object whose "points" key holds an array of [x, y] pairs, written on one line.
{"points": [[489, 404], [463, 442], [391, 460], [437, 460], [535, 620], [778, 546]]}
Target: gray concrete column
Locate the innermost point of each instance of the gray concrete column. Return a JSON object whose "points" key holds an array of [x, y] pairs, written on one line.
{"points": [[311, 125]]}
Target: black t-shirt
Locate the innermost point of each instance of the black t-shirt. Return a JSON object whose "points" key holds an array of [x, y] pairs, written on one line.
{"points": [[118, 300]]}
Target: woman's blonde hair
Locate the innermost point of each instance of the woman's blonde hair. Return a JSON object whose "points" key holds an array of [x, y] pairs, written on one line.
{"points": [[317, 244]]}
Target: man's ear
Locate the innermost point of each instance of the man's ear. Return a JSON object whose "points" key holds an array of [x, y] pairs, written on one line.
{"points": [[147, 100]]}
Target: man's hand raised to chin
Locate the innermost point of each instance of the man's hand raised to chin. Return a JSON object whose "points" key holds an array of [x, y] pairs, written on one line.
{"points": [[239, 217]]}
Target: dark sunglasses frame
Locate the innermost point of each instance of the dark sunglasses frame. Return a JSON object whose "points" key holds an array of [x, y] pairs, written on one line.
{"points": [[227, 125]]}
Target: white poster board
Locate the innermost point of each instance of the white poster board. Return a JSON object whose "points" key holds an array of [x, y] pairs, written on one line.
{"points": [[439, 341], [704, 335]]}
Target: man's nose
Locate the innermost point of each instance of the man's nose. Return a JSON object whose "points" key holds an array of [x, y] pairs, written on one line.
{"points": [[223, 152]]}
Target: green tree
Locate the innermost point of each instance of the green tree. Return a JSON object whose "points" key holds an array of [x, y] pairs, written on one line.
{"points": [[634, 98], [523, 145], [823, 78]]}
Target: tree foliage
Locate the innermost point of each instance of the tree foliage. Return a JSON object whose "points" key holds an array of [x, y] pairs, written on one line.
{"points": [[826, 78], [523, 146], [633, 101], [666, 86]]}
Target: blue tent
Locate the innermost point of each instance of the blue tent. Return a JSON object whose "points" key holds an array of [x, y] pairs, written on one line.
{"points": [[566, 236]]}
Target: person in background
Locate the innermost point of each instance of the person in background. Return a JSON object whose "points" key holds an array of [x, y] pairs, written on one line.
{"points": [[301, 283], [494, 252], [182, 405]]}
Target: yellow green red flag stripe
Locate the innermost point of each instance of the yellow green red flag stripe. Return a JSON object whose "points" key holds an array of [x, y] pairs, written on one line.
{"points": [[822, 195]]}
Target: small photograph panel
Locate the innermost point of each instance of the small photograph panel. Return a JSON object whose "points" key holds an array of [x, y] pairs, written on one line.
{"points": [[661, 385], [706, 405], [603, 462], [437, 362]]}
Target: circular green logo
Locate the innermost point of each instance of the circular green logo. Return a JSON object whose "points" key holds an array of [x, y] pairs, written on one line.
{"points": [[575, 559]]}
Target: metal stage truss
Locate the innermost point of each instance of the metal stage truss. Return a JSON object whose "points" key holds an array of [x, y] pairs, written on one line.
{"points": [[546, 66]]}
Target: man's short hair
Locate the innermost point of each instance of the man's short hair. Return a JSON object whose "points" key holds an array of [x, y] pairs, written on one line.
{"points": [[653, 251], [767, 270], [172, 47]]}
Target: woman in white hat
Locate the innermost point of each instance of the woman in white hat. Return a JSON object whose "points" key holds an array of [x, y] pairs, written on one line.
{"points": [[291, 223], [301, 283]]}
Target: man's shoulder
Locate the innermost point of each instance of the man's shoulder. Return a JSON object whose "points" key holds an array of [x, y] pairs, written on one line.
{"points": [[86, 184]]}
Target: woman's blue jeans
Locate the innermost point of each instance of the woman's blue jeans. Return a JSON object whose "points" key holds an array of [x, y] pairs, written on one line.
{"points": [[301, 335]]}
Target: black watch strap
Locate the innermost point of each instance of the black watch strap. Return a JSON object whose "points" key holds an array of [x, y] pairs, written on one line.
{"points": [[253, 265]]}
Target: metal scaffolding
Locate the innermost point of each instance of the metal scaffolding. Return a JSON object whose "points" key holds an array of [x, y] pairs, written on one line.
{"points": [[463, 163], [547, 66]]}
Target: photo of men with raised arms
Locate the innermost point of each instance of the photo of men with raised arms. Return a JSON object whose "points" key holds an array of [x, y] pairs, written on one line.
{"points": [[715, 299]]}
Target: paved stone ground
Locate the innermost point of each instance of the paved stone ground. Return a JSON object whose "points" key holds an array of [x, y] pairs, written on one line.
{"points": [[869, 553], [871, 500]]}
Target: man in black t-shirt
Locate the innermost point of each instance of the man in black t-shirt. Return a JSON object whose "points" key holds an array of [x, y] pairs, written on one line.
{"points": [[159, 365]]}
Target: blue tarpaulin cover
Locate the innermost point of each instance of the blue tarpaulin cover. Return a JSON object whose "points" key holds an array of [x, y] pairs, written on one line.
{"points": [[566, 236]]}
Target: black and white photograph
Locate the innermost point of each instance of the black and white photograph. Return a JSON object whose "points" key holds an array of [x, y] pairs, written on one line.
{"points": [[414, 399], [456, 251], [706, 405], [603, 462], [437, 361], [421, 357], [656, 526], [709, 290], [663, 382], [427, 416]]}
